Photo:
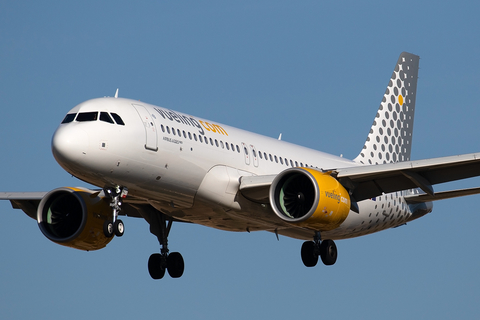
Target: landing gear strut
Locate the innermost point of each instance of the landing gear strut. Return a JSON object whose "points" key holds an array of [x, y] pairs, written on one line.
{"points": [[326, 249], [115, 226], [158, 263]]}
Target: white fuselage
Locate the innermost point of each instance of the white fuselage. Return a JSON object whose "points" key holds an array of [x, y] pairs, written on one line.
{"points": [[189, 168]]}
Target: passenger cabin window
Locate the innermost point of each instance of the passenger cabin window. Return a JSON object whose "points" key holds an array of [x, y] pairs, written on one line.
{"points": [[117, 119], [69, 118], [87, 116], [104, 116]]}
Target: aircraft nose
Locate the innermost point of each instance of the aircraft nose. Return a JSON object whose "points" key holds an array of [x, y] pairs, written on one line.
{"points": [[69, 144]]}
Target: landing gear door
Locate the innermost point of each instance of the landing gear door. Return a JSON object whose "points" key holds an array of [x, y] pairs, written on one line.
{"points": [[149, 125]]}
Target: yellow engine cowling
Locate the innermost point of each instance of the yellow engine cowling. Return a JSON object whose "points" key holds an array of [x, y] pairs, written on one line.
{"points": [[309, 198], [74, 218]]}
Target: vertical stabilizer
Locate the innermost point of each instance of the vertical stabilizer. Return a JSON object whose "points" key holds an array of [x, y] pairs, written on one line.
{"points": [[390, 138]]}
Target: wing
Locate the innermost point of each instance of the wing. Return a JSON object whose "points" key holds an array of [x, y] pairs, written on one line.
{"points": [[374, 180], [368, 181], [28, 202]]}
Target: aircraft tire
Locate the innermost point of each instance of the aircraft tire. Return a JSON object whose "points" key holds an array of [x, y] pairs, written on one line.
{"points": [[108, 229], [309, 257], [155, 266], [328, 252], [175, 265], [119, 228]]}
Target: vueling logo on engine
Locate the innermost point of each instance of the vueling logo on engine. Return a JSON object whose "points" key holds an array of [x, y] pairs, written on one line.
{"points": [[337, 197]]}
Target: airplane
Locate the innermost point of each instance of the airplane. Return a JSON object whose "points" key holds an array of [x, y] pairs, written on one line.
{"points": [[165, 166]]}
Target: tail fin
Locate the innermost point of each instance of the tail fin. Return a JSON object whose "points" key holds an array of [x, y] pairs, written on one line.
{"points": [[390, 138]]}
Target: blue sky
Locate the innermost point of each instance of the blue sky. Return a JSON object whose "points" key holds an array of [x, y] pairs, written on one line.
{"points": [[315, 72]]}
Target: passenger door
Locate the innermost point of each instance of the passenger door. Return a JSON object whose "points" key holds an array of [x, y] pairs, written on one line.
{"points": [[149, 125]]}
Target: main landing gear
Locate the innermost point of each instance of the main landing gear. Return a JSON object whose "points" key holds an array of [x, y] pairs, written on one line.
{"points": [[115, 226], [326, 249], [158, 263]]}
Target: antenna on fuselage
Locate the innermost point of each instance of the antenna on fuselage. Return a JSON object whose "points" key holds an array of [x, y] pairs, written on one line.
{"points": [[116, 93], [280, 137]]}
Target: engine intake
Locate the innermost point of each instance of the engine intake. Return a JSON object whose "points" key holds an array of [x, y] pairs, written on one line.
{"points": [[74, 218], [309, 198]]}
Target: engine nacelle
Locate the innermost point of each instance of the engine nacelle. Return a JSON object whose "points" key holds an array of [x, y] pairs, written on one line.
{"points": [[309, 198], [74, 218]]}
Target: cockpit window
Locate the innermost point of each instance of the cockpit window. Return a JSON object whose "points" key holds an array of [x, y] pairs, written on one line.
{"points": [[69, 118], [104, 116], [117, 118], [87, 116]]}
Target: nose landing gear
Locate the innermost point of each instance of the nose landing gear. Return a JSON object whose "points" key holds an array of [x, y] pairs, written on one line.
{"points": [[115, 226]]}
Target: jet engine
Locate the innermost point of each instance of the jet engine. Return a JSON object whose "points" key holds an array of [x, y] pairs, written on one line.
{"points": [[309, 198], [74, 218]]}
